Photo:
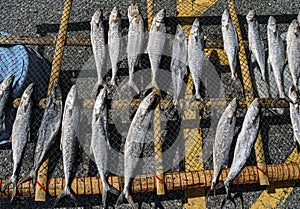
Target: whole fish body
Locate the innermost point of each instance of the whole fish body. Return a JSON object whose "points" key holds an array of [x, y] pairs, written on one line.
{"points": [[196, 55], [136, 37], [68, 140], [244, 143], [114, 42], [98, 45], [5, 91], [223, 140], [99, 142], [20, 135], [156, 42], [178, 62], [134, 143], [295, 112], [231, 45], [47, 132], [256, 43], [276, 54], [293, 50]]}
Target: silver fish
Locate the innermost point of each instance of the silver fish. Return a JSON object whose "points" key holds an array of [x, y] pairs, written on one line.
{"points": [[244, 143], [295, 112], [276, 54], [20, 135], [134, 143], [178, 62], [47, 132], [99, 142], [156, 42], [5, 91], [196, 55], [293, 50], [114, 42], [223, 140], [136, 37], [256, 44], [68, 140], [231, 45], [98, 45]]}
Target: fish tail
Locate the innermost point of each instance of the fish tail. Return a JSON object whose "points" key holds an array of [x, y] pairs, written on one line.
{"points": [[13, 181], [126, 194], [120, 198], [28, 176], [66, 192]]}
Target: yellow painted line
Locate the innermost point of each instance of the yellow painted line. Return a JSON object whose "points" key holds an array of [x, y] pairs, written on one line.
{"points": [[282, 189]]}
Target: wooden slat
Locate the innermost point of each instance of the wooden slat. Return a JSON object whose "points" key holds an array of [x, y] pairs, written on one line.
{"points": [[40, 194], [248, 90], [173, 181]]}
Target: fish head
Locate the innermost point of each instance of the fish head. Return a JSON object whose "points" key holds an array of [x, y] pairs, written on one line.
{"points": [[115, 14], [195, 28], [254, 109], [293, 93], [97, 16], [7, 82], [56, 91], [272, 26], [231, 108], [251, 16], [295, 26], [180, 35], [71, 98], [26, 96], [133, 11], [160, 17], [225, 19], [100, 102]]}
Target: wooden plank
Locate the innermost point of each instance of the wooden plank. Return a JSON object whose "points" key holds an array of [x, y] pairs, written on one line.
{"points": [[285, 173], [248, 90], [159, 177], [40, 193]]}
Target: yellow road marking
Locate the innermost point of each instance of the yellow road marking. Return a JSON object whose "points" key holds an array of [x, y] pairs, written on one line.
{"points": [[282, 189]]}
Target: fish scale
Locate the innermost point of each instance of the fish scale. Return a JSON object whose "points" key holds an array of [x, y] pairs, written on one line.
{"points": [[68, 140], [230, 42], [114, 42], [196, 55], [293, 50], [256, 44], [98, 45], [136, 36], [156, 42], [178, 62], [276, 54], [20, 136]]}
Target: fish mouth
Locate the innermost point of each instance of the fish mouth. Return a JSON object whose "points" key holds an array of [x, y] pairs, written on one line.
{"points": [[11, 78], [30, 88]]}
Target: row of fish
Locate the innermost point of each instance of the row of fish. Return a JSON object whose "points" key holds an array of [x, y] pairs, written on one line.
{"points": [[224, 137]]}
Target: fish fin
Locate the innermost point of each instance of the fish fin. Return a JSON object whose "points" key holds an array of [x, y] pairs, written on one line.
{"points": [[120, 199], [25, 178], [66, 192], [6, 185]]}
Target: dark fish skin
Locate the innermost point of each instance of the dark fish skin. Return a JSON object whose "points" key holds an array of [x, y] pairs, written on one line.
{"points": [[136, 39], [20, 135], [134, 144], [98, 45], [178, 62], [223, 140], [196, 55], [68, 140], [244, 143], [156, 42], [47, 132], [256, 43], [99, 142], [5, 91]]}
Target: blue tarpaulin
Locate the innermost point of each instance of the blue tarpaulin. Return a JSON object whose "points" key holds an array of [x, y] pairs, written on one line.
{"points": [[28, 66]]}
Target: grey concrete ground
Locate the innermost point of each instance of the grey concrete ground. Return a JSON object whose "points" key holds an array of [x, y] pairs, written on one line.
{"points": [[41, 18]]}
